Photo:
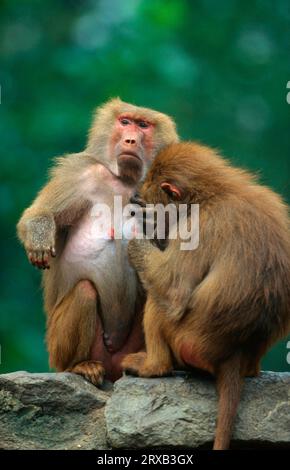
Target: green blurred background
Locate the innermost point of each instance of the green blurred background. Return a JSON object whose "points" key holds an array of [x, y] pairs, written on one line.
{"points": [[220, 68]]}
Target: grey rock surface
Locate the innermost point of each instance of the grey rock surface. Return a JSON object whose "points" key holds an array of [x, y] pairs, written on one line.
{"points": [[181, 411], [51, 411], [63, 411]]}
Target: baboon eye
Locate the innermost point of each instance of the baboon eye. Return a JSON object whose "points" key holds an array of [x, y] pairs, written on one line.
{"points": [[124, 121], [143, 124], [172, 191]]}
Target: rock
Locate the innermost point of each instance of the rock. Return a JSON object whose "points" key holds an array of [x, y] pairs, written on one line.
{"points": [[63, 411], [181, 411], [51, 411]]}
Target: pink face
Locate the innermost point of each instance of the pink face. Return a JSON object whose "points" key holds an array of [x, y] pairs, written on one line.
{"points": [[132, 145]]}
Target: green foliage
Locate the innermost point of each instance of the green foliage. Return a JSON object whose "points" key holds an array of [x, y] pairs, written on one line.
{"points": [[219, 68]]}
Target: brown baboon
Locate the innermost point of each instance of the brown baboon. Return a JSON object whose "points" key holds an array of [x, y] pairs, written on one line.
{"points": [[221, 306]]}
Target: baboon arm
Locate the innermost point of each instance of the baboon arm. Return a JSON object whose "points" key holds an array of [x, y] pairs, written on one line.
{"points": [[62, 198]]}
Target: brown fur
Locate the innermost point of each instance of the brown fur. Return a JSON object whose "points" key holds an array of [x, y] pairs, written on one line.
{"points": [[84, 302], [221, 306]]}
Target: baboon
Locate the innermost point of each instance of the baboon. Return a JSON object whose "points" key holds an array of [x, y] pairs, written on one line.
{"points": [[221, 306], [94, 310]]}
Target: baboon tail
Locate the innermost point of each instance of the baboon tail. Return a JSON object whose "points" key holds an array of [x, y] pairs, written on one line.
{"points": [[229, 386]]}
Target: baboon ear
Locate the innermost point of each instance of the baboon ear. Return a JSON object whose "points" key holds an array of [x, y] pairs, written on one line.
{"points": [[172, 190]]}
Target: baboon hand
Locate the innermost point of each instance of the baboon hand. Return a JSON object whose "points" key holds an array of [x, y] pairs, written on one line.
{"points": [[40, 240]]}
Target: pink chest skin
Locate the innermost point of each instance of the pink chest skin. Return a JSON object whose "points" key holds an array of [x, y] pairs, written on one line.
{"points": [[94, 232]]}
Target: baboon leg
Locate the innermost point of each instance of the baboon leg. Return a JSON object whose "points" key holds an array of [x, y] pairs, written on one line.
{"points": [[72, 327], [157, 360]]}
